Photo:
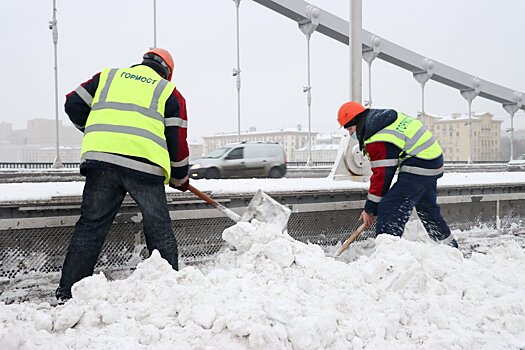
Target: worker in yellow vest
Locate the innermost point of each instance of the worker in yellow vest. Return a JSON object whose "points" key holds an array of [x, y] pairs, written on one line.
{"points": [[394, 141], [135, 125]]}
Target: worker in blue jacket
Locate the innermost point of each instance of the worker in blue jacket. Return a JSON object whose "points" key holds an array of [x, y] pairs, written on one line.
{"points": [[395, 141]]}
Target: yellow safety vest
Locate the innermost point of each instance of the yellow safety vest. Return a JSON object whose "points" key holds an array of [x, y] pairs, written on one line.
{"points": [[411, 136], [127, 118]]}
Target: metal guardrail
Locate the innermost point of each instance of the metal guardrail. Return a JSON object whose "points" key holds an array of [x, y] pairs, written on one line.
{"points": [[449, 162], [72, 174], [66, 175], [35, 165], [72, 165], [314, 164]]}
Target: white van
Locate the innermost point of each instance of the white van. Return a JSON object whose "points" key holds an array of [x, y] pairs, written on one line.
{"points": [[241, 160]]}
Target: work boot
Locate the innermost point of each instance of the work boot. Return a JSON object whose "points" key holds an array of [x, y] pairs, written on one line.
{"points": [[63, 295], [77, 265], [450, 241], [453, 243]]}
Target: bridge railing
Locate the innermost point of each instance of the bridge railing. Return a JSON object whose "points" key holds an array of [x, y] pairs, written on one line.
{"points": [[35, 165], [73, 165]]}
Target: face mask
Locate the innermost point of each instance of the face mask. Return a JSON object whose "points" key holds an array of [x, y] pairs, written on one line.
{"points": [[354, 136]]}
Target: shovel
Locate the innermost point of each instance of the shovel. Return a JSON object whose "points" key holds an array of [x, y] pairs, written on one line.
{"points": [[352, 238], [262, 207]]}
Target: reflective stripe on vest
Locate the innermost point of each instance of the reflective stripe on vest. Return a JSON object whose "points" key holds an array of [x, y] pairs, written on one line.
{"points": [[123, 161], [421, 171], [127, 130], [127, 118], [410, 136]]}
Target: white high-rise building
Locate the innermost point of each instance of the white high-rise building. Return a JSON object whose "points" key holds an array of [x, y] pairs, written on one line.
{"points": [[290, 139]]}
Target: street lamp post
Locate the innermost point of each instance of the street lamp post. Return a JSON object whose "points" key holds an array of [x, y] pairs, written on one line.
{"points": [[237, 73], [154, 24], [54, 28]]}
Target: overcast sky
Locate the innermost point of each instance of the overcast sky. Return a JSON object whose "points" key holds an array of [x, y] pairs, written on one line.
{"points": [[481, 37]]}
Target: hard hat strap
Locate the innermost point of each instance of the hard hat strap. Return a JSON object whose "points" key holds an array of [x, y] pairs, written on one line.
{"points": [[156, 58]]}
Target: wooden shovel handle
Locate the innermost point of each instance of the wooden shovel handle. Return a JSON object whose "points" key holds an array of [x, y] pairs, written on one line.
{"points": [[202, 196], [227, 212], [352, 238]]}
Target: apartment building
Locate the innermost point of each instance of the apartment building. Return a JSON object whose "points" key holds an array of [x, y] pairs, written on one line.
{"points": [[37, 142], [42, 132], [323, 150], [452, 134], [290, 139]]}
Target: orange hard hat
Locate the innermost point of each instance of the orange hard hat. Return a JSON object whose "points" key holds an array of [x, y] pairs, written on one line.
{"points": [[348, 111], [165, 59]]}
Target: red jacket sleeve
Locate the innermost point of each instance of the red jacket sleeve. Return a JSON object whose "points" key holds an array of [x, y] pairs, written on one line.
{"points": [[78, 102], [176, 135], [383, 160]]}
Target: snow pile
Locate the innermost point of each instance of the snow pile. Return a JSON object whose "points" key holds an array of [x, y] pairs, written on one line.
{"points": [[273, 292]]}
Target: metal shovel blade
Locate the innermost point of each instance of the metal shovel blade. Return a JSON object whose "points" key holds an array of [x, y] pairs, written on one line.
{"points": [[266, 209]]}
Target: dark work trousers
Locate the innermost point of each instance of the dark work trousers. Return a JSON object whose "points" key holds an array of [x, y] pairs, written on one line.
{"points": [[408, 192], [104, 192]]}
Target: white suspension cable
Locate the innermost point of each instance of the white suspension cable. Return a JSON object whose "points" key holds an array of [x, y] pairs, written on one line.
{"points": [[308, 26]]}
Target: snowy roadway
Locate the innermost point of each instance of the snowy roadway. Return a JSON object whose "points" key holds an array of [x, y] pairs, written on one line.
{"points": [[42, 191], [273, 292]]}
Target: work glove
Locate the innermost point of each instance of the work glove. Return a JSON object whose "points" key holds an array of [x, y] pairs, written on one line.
{"points": [[180, 184]]}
